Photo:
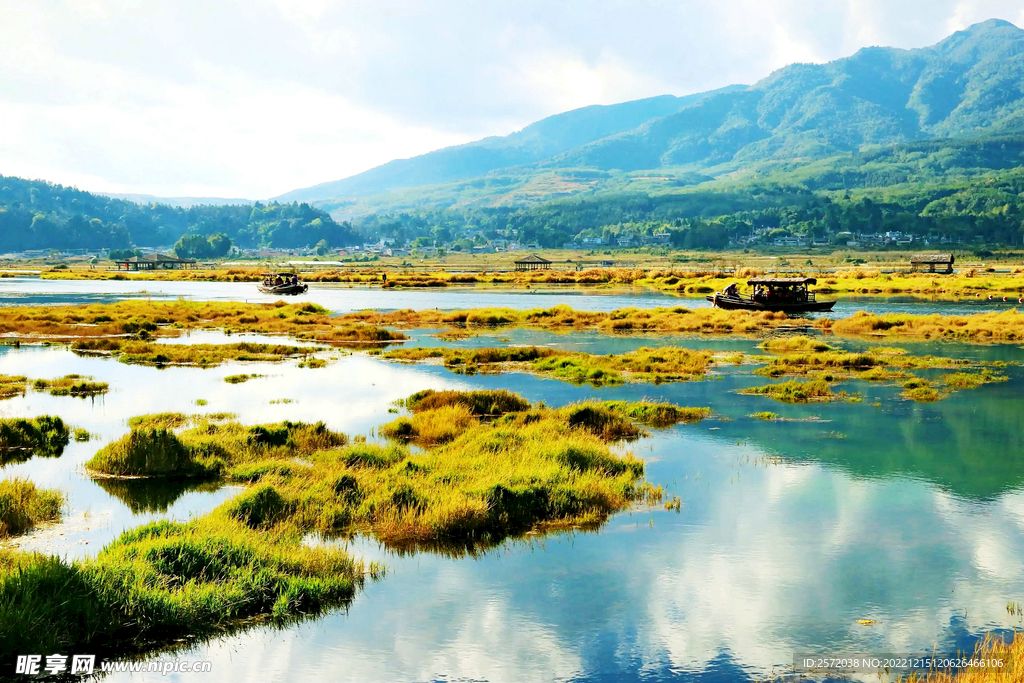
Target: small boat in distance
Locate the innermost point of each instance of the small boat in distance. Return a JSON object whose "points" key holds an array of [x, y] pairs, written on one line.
{"points": [[786, 294], [282, 283]]}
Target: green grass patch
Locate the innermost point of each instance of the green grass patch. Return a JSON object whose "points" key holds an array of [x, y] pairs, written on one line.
{"points": [[795, 391], [22, 506], [20, 438], [153, 449], [765, 415], [168, 584], [238, 379]]}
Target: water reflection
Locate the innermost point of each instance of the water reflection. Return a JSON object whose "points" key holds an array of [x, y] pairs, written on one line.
{"points": [[153, 495]]}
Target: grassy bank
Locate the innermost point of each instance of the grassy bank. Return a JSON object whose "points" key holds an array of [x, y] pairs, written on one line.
{"points": [[20, 439], [22, 506], [145, 319], [651, 365]]}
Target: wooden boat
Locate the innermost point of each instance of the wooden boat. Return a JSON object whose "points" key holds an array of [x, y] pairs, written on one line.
{"points": [[286, 288], [786, 294]]}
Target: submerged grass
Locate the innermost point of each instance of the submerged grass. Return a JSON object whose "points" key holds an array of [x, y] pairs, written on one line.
{"points": [[22, 506], [21, 438]]}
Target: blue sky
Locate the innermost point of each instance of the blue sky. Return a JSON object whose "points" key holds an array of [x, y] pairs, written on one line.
{"points": [[252, 98]]}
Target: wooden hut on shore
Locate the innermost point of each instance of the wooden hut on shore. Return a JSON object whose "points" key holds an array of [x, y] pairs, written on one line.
{"points": [[533, 262], [931, 263], [154, 262]]}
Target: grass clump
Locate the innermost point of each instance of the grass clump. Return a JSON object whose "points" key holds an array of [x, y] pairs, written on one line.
{"points": [[22, 506], [21, 438], [313, 363], [238, 379], [12, 385], [494, 402], [71, 385], [81, 435], [168, 584], [765, 415], [795, 391], [153, 449]]}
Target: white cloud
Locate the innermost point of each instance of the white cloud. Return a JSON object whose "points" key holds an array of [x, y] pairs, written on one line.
{"points": [[253, 99]]}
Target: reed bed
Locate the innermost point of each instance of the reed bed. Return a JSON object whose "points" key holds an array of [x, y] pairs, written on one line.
{"points": [[650, 365], [22, 506]]}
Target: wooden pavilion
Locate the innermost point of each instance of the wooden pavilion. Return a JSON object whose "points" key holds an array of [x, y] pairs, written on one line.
{"points": [[533, 262], [154, 262], [932, 263]]}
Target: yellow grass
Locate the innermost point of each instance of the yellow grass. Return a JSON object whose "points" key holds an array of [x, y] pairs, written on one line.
{"points": [[650, 365]]}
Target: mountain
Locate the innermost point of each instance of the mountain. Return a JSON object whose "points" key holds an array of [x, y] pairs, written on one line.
{"points": [[536, 142], [969, 85]]}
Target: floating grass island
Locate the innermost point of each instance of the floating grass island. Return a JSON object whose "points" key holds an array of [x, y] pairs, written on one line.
{"points": [[491, 465]]}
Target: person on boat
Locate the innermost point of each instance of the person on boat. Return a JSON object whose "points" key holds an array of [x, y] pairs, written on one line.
{"points": [[278, 282], [295, 279], [731, 291]]}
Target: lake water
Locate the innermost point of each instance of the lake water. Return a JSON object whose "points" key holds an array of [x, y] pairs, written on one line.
{"points": [[790, 532]]}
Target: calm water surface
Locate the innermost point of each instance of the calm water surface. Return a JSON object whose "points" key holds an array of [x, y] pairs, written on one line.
{"points": [[789, 533]]}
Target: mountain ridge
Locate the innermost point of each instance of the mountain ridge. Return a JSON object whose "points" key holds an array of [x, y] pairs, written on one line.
{"points": [[970, 83]]}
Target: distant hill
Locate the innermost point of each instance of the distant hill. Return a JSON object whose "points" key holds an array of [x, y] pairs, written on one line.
{"points": [[969, 85], [183, 202], [35, 214], [536, 142]]}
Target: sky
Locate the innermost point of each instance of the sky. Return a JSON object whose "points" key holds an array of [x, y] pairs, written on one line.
{"points": [[253, 98]]}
